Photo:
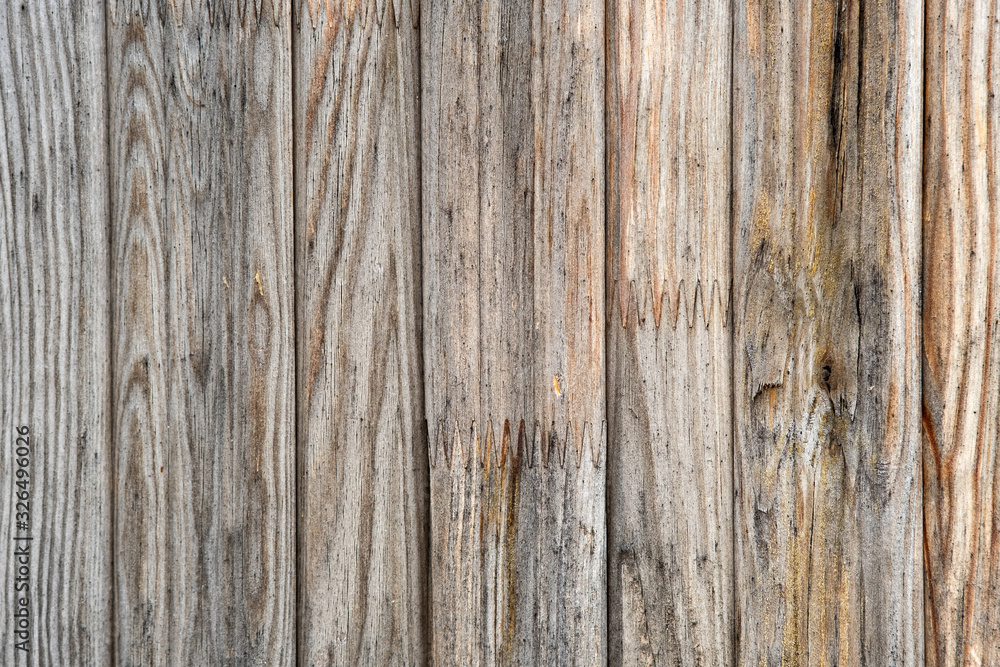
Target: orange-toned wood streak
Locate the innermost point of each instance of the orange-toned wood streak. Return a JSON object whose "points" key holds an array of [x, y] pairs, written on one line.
{"points": [[961, 334], [514, 321], [201, 220], [669, 338], [826, 160], [54, 335], [362, 467]]}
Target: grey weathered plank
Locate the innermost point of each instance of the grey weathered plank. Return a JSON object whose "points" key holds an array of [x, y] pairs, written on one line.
{"points": [[513, 268], [961, 334], [201, 202], [669, 342], [362, 526], [54, 317], [826, 150]]}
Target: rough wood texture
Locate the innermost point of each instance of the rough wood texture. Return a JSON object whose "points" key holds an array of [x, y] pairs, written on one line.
{"points": [[203, 332], [54, 320], [669, 360], [961, 329], [363, 519], [826, 149], [513, 267]]}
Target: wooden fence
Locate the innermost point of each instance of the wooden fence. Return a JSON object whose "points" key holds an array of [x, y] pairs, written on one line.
{"points": [[500, 332]]}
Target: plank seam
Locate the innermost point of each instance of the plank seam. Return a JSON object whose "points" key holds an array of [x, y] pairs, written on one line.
{"points": [[637, 303], [456, 449]]}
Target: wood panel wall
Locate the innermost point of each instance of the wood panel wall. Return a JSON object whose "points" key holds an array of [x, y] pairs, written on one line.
{"points": [[388, 332]]}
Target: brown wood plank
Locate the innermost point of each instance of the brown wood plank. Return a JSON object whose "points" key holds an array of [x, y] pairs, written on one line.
{"points": [[513, 267], [363, 518], [54, 323], [669, 345], [826, 149], [203, 334], [961, 334]]}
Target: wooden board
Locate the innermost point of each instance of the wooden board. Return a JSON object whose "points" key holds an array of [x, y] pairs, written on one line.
{"points": [[513, 285], [961, 335], [363, 519], [54, 322], [670, 588], [201, 202], [826, 186]]}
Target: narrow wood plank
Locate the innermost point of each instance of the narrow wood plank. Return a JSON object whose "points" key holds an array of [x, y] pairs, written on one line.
{"points": [[513, 266], [203, 332], [669, 341], [54, 322], [961, 334], [827, 127], [363, 519]]}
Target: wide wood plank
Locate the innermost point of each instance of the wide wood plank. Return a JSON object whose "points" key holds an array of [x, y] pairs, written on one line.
{"points": [[203, 332], [826, 150], [961, 334], [362, 478], [669, 341], [513, 268], [54, 324]]}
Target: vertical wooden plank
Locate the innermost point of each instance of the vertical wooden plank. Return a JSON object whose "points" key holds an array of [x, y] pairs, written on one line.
{"points": [[203, 331], [669, 352], [54, 335], [363, 453], [513, 266], [568, 222], [961, 334], [827, 104]]}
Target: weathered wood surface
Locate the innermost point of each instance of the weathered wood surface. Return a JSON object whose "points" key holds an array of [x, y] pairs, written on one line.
{"points": [[54, 361], [362, 530], [670, 587], [961, 335], [513, 268], [826, 169], [306, 305], [201, 203]]}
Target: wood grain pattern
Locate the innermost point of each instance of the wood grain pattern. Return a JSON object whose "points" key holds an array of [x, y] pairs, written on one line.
{"points": [[363, 511], [54, 290], [961, 334], [827, 116], [513, 284], [200, 117], [669, 342]]}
